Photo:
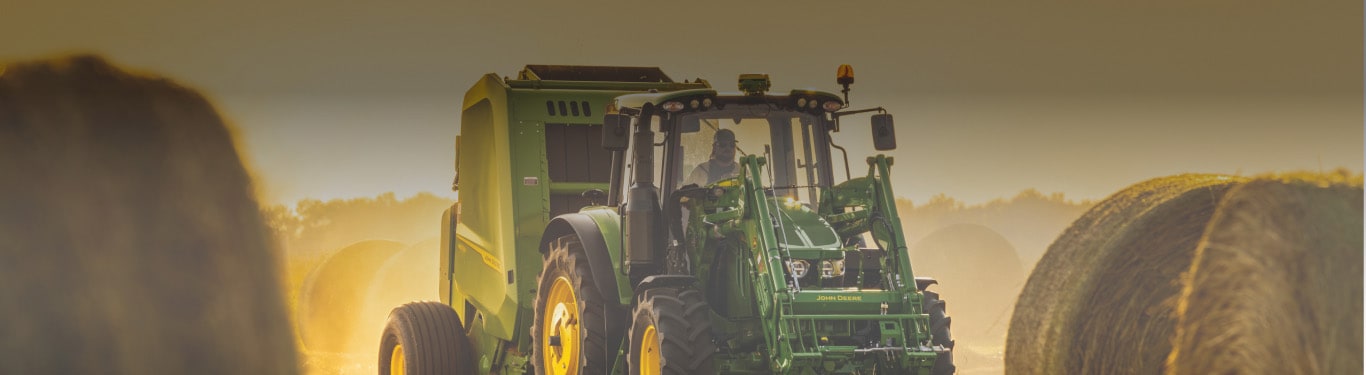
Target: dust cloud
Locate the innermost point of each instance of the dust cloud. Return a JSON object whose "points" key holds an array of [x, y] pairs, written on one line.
{"points": [[348, 263], [980, 255]]}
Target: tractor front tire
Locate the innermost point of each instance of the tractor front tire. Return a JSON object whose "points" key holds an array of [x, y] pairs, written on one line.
{"points": [[671, 333], [569, 331], [939, 332], [424, 338]]}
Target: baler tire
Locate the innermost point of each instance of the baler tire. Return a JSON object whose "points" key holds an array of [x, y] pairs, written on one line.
{"points": [[566, 259], [681, 322], [940, 334], [430, 341]]}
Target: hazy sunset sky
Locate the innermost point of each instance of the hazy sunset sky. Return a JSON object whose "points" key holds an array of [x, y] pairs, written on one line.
{"points": [[347, 99]]}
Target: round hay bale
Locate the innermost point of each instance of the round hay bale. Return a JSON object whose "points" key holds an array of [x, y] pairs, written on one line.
{"points": [[1102, 298], [330, 302], [1275, 286], [979, 274], [131, 241], [410, 275]]}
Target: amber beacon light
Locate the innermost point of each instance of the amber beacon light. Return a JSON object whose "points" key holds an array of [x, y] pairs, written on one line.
{"points": [[845, 77]]}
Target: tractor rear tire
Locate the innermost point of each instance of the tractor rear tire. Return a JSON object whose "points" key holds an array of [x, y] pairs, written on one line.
{"points": [[424, 338], [671, 333], [939, 332], [569, 329]]}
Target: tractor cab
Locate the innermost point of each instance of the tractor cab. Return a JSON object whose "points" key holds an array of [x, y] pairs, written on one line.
{"points": [[697, 129], [709, 141], [703, 137]]}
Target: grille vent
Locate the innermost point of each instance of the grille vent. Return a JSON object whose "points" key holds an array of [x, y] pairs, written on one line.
{"points": [[568, 108]]}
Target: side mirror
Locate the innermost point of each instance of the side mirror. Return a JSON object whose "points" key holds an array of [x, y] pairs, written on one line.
{"points": [[884, 136], [616, 131]]}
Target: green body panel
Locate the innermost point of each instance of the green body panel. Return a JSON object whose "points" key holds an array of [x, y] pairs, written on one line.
{"points": [[804, 228], [574, 187], [490, 252], [484, 240], [609, 223]]}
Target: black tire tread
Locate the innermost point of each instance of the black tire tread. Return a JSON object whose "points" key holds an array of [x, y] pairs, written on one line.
{"points": [[683, 319], [568, 253], [434, 342], [940, 325]]}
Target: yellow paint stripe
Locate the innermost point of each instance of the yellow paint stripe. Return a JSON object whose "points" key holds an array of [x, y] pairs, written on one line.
{"points": [[489, 259]]}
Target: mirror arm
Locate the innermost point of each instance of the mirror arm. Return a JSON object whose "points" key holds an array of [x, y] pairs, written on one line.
{"points": [[839, 114], [831, 141]]}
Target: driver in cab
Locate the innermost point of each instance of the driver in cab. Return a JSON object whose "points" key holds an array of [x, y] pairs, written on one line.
{"points": [[722, 163]]}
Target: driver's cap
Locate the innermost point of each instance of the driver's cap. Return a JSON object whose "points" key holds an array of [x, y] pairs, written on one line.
{"points": [[724, 136]]}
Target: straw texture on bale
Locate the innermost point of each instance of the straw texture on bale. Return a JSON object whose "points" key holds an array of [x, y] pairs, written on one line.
{"points": [[334, 293], [979, 275], [131, 241], [1102, 298], [1275, 286]]}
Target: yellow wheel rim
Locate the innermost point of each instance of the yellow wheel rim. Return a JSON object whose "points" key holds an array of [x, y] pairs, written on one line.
{"points": [[649, 352], [396, 363], [560, 337]]}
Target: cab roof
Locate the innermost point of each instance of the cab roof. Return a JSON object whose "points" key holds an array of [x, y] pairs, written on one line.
{"points": [[585, 73]]}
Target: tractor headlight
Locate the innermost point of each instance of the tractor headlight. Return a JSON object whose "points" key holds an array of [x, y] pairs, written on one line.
{"points": [[832, 268], [798, 268]]}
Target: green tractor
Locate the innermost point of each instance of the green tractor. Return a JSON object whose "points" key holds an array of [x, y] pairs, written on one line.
{"points": [[611, 220]]}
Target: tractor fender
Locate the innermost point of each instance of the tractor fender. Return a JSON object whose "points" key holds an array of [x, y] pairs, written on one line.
{"points": [[594, 246], [924, 282]]}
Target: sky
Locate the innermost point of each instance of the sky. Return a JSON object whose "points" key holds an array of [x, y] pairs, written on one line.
{"points": [[351, 99]]}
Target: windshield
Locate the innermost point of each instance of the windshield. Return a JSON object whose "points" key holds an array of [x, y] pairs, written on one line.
{"points": [[711, 143]]}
